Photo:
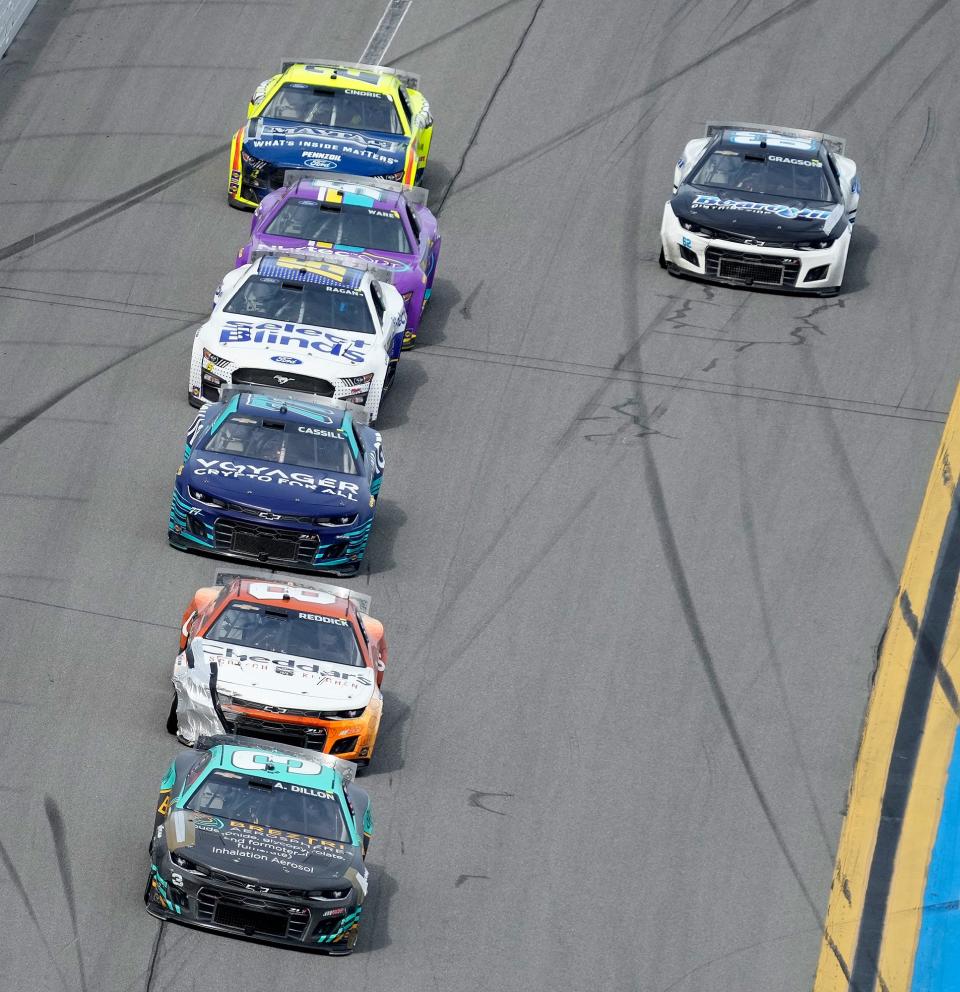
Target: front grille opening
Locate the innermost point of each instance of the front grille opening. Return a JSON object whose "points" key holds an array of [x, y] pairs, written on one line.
{"points": [[250, 921], [345, 745], [285, 379], [265, 543], [196, 526], [820, 272], [689, 255], [751, 269]]}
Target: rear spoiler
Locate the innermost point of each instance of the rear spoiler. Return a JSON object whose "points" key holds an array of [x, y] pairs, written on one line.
{"points": [[346, 769], [416, 195], [359, 599], [359, 414], [833, 143], [378, 272], [409, 79]]}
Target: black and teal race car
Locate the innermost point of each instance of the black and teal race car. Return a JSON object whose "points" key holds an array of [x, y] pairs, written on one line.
{"points": [[263, 841]]}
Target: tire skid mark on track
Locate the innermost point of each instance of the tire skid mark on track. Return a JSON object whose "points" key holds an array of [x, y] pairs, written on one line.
{"points": [[596, 119], [453, 32], [619, 373], [112, 206], [684, 593], [77, 609], [31, 912], [154, 955], [946, 60], [773, 652], [91, 303], [35, 412], [471, 141], [57, 828], [848, 475], [863, 84]]}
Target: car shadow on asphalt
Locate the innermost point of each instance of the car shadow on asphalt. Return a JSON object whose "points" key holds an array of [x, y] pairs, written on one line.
{"points": [[375, 926], [393, 409], [387, 523], [388, 756], [862, 245]]}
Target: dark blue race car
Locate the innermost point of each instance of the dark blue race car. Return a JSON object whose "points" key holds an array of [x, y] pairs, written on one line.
{"points": [[271, 478]]}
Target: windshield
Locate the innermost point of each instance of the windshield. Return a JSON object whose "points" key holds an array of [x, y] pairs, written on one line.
{"points": [[303, 635], [277, 805], [303, 303], [329, 107], [776, 174], [349, 226], [322, 448]]}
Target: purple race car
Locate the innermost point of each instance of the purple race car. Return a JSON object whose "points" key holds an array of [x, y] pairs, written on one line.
{"points": [[379, 220]]}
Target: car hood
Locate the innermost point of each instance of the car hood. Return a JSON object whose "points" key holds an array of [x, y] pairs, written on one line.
{"points": [[327, 149], [756, 215], [284, 682], [273, 488], [268, 858], [273, 344]]}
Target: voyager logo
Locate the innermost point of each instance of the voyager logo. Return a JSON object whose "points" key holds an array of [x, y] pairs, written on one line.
{"points": [[240, 332], [258, 473], [748, 206]]}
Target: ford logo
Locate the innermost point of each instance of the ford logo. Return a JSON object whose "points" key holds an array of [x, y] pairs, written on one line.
{"points": [[323, 164], [285, 360]]}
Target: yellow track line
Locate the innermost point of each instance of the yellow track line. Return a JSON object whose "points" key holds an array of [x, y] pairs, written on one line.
{"points": [[855, 855]]}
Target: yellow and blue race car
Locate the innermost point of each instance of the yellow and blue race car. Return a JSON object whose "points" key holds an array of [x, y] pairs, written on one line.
{"points": [[330, 117]]}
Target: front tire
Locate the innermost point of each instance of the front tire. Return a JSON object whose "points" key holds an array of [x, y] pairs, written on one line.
{"points": [[663, 259], [172, 724]]}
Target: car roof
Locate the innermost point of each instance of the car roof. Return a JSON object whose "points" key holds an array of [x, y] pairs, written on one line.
{"points": [[340, 77], [320, 189], [288, 595], [738, 139], [291, 411], [290, 268], [327, 779]]}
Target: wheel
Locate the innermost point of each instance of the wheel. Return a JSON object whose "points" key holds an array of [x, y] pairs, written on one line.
{"points": [[348, 571], [172, 725], [418, 175], [390, 376], [663, 259]]}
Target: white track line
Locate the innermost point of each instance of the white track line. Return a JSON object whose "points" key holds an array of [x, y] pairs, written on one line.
{"points": [[385, 31]]}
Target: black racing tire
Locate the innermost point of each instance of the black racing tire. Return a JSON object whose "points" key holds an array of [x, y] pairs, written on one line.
{"points": [[418, 176], [830, 291], [663, 259], [172, 724], [390, 376], [348, 571]]}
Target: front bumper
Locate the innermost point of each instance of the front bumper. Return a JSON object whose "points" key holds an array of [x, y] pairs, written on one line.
{"points": [[352, 740], [289, 545], [207, 379], [734, 263], [230, 908]]}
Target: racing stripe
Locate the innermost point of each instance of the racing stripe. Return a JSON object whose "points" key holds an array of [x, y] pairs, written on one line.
{"points": [[237, 142], [411, 164]]}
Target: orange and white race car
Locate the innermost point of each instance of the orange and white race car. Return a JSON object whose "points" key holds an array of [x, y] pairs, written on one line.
{"points": [[283, 660]]}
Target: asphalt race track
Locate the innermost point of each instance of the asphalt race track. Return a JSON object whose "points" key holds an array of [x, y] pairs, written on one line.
{"points": [[638, 537]]}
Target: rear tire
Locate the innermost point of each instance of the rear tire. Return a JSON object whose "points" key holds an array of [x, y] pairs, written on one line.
{"points": [[172, 725]]}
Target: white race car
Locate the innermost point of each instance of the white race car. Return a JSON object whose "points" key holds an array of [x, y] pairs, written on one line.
{"points": [[761, 206], [315, 322]]}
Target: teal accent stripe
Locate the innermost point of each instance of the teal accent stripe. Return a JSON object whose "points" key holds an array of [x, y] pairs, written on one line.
{"points": [[231, 408], [348, 430]]}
